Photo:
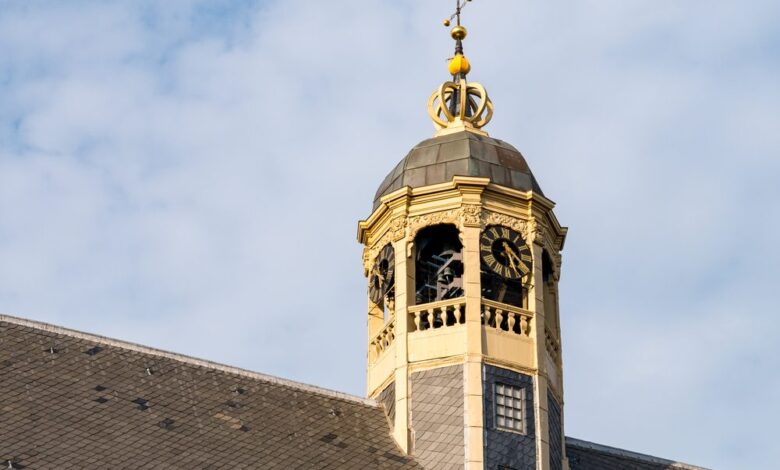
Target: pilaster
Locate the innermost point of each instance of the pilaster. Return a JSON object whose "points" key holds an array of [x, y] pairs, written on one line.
{"points": [[404, 272], [471, 197], [536, 305]]}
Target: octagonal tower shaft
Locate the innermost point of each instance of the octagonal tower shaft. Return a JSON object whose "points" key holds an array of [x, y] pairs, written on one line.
{"points": [[466, 361]]}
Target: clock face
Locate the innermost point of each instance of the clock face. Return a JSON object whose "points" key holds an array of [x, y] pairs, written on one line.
{"points": [[505, 253], [381, 277]]}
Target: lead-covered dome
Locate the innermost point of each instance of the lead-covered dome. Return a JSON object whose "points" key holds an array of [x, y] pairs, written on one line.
{"points": [[437, 160]]}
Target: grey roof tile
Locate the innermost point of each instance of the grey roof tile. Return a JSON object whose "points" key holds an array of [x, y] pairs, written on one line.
{"points": [[585, 455], [188, 414], [460, 154]]}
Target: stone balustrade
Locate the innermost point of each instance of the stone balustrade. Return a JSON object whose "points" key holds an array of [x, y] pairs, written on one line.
{"points": [[441, 314], [384, 338], [508, 318]]}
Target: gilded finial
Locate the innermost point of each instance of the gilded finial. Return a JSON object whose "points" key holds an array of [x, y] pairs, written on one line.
{"points": [[458, 105], [459, 33]]}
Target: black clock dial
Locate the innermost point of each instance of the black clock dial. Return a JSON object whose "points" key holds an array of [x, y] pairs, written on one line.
{"points": [[505, 253], [381, 277]]}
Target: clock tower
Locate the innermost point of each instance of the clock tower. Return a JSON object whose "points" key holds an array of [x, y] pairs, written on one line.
{"points": [[462, 255]]}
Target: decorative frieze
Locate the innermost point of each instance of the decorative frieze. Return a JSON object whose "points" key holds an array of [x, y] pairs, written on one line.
{"points": [[417, 223], [395, 231]]}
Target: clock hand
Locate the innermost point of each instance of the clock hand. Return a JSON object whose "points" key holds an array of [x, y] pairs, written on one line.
{"points": [[510, 255], [378, 274]]}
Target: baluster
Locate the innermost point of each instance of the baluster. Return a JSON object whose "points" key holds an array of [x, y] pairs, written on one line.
{"points": [[512, 321], [498, 316], [417, 320], [524, 325], [459, 314]]}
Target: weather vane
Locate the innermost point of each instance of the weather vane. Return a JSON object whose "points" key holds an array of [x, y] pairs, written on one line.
{"points": [[459, 5], [458, 32]]}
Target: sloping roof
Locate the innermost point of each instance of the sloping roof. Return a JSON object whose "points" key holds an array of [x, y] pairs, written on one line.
{"points": [[75, 400], [584, 455], [438, 159]]}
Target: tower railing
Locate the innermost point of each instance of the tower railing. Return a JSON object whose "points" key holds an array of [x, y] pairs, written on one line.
{"points": [[384, 339], [442, 314], [505, 317]]}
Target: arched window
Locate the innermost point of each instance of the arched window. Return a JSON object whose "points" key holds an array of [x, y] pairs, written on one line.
{"points": [[438, 264]]}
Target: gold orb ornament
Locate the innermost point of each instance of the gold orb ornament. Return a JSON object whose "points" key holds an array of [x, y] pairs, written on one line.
{"points": [[458, 33], [446, 23]]}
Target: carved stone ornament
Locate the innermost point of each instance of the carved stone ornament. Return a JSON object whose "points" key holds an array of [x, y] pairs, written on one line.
{"points": [[366, 261], [397, 228], [394, 232], [534, 232], [416, 224], [472, 215], [494, 218]]}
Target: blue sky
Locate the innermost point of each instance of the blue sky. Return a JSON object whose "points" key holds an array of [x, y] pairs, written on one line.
{"points": [[189, 175]]}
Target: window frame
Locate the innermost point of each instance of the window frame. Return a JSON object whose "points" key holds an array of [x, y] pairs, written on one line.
{"points": [[523, 408]]}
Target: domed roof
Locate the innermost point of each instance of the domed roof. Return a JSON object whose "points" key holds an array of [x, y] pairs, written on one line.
{"points": [[437, 160]]}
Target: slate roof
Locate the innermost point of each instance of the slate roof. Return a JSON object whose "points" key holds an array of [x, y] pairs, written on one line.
{"points": [[74, 400], [437, 160], [584, 455]]}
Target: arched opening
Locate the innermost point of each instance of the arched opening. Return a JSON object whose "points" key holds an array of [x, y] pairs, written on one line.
{"points": [[438, 264]]}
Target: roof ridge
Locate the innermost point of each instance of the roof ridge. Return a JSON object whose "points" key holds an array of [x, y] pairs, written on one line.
{"points": [[38, 325], [629, 454]]}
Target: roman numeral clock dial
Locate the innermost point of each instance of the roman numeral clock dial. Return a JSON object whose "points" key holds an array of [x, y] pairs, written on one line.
{"points": [[505, 253], [381, 277]]}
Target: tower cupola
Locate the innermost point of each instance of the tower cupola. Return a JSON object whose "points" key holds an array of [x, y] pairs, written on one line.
{"points": [[462, 256]]}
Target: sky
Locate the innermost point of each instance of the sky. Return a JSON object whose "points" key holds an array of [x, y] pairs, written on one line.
{"points": [[189, 175]]}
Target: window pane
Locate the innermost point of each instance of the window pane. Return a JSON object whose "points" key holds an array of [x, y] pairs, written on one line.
{"points": [[510, 403]]}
